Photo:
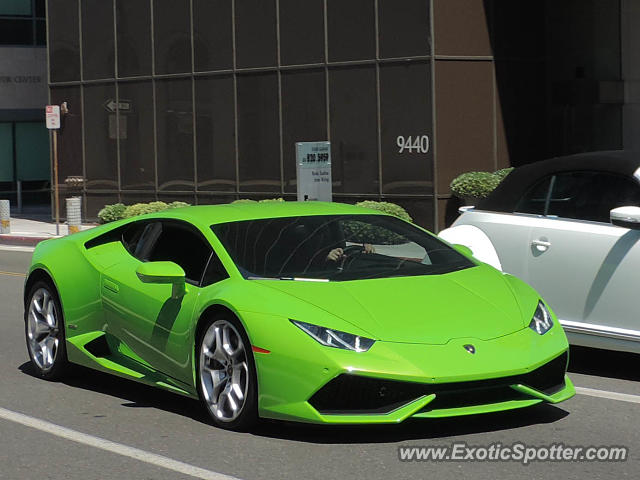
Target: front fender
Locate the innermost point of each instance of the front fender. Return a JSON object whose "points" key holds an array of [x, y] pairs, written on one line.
{"points": [[474, 238]]}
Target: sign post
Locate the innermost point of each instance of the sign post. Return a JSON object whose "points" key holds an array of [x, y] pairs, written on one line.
{"points": [[53, 123], [313, 168]]}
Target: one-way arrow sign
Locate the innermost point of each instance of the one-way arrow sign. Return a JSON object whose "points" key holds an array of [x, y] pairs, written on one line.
{"points": [[124, 106]]}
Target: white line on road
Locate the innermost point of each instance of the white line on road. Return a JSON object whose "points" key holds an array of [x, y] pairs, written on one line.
{"points": [[623, 397], [16, 248], [12, 274], [113, 447]]}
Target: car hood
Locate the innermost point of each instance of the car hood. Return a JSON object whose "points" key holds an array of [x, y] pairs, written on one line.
{"points": [[476, 302]]}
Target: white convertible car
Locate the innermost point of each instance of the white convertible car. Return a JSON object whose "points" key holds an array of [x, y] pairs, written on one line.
{"points": [[570, 227]]}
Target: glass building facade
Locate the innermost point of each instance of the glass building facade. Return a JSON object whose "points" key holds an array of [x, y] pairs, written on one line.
{"points": [[24, 143], [203, 100]]}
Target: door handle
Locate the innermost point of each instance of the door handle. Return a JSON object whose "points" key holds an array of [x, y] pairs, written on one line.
{"points": [[111, 286], [541, 245]]}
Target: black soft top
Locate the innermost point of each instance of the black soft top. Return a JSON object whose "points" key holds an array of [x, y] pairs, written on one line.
{"points": [[507, 195]]}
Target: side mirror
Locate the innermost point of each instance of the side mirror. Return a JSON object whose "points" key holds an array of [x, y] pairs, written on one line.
{"points": [[627, 217], [163, 272], [463, 249]]}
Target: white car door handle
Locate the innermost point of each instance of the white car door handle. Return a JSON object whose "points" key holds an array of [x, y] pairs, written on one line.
{"points": [[541, 245]]}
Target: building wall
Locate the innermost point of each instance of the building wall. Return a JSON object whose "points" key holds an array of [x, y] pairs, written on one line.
{"points": [[24, 142], [203, 100], [211, 97]]}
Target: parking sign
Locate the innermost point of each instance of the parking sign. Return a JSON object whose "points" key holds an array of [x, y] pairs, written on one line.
{"points": [[52, 116]]}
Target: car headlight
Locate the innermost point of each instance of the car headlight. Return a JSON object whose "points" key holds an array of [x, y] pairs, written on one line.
{"points": [[541, 322], [335, 338]]}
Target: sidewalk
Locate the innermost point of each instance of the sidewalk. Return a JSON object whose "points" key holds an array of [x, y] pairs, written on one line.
{"points": [[29, 233]]}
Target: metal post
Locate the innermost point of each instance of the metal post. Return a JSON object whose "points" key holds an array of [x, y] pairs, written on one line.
{"points": [[19, 194], [55, 180], [5, 225], [74, 214]]}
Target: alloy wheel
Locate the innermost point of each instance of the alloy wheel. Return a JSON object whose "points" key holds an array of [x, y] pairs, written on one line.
{"points": [[43, 329], [224, 371]]}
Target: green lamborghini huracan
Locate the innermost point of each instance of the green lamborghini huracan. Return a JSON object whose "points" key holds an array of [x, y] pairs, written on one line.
{"points": [[305, 311]]}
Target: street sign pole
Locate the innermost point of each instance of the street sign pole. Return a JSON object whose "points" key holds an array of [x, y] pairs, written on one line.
{"points": [[52, 118], [55, 180]]}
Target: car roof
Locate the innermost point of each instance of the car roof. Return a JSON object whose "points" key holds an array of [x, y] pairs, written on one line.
{"points": [[206, 215], [507, 195]]}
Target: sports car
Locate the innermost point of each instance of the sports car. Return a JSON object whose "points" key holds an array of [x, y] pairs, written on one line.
{"points": [[303, 311]]}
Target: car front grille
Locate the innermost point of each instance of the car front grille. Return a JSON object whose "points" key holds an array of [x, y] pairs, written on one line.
{"points": [[357, 394]]}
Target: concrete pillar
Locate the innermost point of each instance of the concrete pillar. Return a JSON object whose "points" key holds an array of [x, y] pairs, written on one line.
{"points": [[5, 226], [74, 214]]}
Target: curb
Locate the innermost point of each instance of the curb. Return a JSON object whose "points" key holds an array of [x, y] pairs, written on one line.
{"points": [[22, 240]]}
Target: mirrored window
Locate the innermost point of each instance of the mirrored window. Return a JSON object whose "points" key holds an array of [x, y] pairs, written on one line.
{"points": [[406, 130], [212, 35], [98, 58], [64, 46], [304, 116], [172, 36], [174, 119], [404, 28], [354, 148], [215, 133], [351, 28], [100, 133], [301, 31], [137, 153], [256, 33], [258, 132], [133, 19]]}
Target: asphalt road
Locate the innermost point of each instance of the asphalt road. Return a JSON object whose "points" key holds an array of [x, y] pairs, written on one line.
{"points": [[94, 426]]}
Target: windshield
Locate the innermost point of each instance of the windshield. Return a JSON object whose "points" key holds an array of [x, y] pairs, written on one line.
{"points": [[335, 248]]}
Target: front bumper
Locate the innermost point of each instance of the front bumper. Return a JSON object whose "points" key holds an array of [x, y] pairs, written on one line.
{"points": [[305, 381]]}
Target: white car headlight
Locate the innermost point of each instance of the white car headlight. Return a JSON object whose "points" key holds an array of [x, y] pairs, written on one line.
{"points": [[541, 322], [335, 338]]}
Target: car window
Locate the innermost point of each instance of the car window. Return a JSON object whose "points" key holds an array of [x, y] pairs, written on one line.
{"points": [[591, 195], [139, 237], [335, 248], [387, 242], [534, 200], [180, 244], [215, 271]]}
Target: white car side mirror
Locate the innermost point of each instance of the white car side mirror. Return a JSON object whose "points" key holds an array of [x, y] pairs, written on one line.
{"points": [[627, 217]]}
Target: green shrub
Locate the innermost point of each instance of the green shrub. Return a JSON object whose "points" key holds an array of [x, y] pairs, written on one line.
{"points": [[111, 213], [388, 208], [503, 172], [265, 200], [359, 232], [118, 211], [178, 205], [474, 184], [143, 208]]}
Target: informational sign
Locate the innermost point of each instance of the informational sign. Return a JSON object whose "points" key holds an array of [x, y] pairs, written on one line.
{"points": [[313, 166], [52, 117], [123, 106]]}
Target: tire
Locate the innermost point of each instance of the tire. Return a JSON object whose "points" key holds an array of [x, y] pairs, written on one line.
{"points": [[226, 378], [44, 332]]}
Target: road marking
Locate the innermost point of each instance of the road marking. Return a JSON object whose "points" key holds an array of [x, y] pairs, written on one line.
{"points": [[12, 274], [623, 397], [16, 248], [113, 447]]}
